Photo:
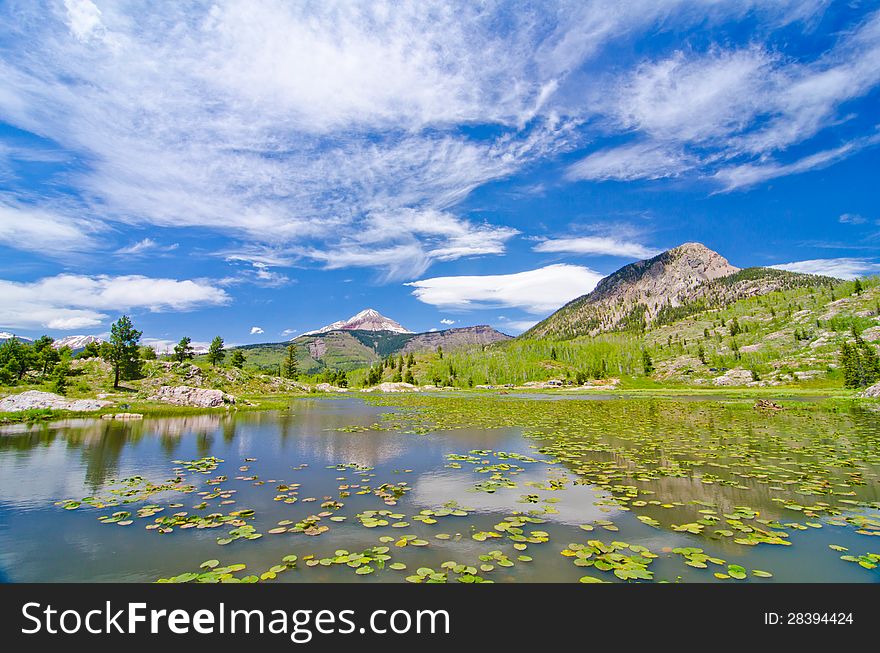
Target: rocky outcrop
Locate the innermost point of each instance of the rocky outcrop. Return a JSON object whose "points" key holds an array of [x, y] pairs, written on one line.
{"points": [[184, 395], [392, 387], [326, 387], [34, 399], [123, 416], [736, 376], [873, 392], [449, 339]]}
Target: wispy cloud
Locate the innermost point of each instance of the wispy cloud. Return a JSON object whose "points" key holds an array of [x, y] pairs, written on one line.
{"points": [[303, 127], [535, 291], [733, 114], [842, 268], [146, 246], [255, 330], [69, 301], [597, 246], [852, 218], [35, 229]]}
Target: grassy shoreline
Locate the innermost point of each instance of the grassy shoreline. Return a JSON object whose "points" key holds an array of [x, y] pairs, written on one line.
{"points": [[250, 403]]}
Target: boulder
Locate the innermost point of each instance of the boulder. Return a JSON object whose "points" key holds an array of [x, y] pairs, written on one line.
{"points": [[326, 387], [123, 416], [873, 392], [736, 376], [184, 395], [32, 399]]}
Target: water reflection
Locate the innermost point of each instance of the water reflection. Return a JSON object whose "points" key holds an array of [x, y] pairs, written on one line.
{"points": [[43, 463]]}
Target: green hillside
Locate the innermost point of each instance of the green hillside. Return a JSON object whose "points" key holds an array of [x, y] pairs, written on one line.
{"points": [[786, 337]]}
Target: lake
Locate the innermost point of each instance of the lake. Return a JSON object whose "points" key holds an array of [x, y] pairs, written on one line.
{"points": [[500, 488]]}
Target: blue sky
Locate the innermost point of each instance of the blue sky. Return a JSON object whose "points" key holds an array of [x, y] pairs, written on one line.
{"points": [[259, 169]]}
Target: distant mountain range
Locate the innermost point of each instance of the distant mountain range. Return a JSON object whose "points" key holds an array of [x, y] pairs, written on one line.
{"points": [[688, 279], [6, 335], [346, 348], [367, 320]]}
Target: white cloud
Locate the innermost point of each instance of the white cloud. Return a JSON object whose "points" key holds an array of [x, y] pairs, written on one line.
{"points": [[629, 162], [289, 125], [852, 218], [749, 174], [256, 330], [727, 113], [70, 301], [518, 326], [596, 245], [289, 332], [842, 268], [447, 321], [41, 230], [146, 246], [535, 291], [697, 98], [84, 18]]}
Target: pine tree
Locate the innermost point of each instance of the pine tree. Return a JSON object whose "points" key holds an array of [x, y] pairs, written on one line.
{"points": [[122, 349], [183, 350], [237, 359], [410, 360], [409, 378], [647, 363], [553, 353], [290, 366], [216, 354], [440, 352], [857, 287]]}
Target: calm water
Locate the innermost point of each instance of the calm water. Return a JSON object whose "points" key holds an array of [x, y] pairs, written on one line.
{"points": [[43, 464]]}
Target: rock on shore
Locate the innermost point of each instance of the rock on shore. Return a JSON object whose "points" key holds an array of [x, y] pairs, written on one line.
{"points": [[35, 399], [872, 392], [184, 395]]}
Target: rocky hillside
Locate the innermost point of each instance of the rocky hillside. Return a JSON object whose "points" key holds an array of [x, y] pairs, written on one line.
{"points": [[451, 339], [679, 282]]}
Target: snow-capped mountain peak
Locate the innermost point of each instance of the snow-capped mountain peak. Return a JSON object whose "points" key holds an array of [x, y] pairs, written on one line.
{"points": [[75, 342], [367, 320]]}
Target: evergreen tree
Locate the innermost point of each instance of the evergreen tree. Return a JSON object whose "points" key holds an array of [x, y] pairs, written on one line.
{"points": [[16, 358], [857, 287], [859, 362], [647, 363], [290, 365], [701, 354], [46, 355], [59, 377], [734, 327], [183, 350], [147, 353], [410, 360], [91, 350], [122, 350], [440, 352], [238, 358], [216, 354], [553, 353], [409, 378]]}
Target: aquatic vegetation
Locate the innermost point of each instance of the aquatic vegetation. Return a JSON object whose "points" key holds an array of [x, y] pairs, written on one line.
{"points": [[611, 557], [718, 483]]}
